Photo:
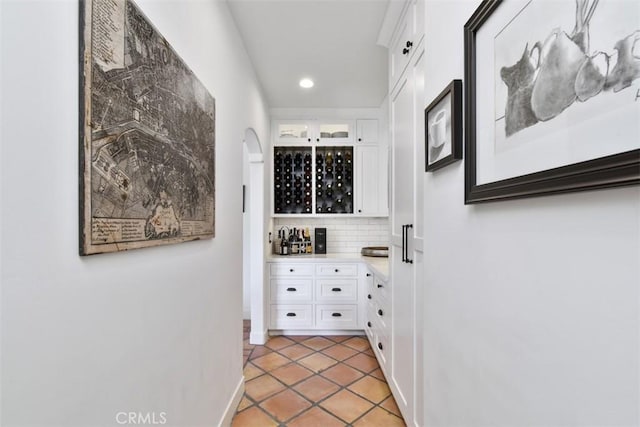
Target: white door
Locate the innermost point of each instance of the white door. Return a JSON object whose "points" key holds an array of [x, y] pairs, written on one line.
{"points": [[407, 134], [402, 301]]}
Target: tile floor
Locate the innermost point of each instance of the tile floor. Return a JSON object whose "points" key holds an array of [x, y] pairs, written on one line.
{"points": [[314, 381]]}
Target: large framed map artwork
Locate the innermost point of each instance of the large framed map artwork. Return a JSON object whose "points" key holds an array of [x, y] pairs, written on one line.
{"points": [[147, 136]]}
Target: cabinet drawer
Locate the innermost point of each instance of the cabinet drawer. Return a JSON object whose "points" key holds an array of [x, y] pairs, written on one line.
{"points": [[287, 290], [337, 316], [383, 314], [382, 348], [337, 270], [338, 290], [291, 316], [291, 269], [381, 289]]}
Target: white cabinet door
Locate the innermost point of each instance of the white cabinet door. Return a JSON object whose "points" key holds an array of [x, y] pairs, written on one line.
{"points": [[402, 131], [371, 193], [293, 131], [407, 139], [399, 53], [404, 44], [335, 132], [367, 131]]}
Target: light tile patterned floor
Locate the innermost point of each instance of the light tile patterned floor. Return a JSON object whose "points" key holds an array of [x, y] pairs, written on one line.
{"points": [[314, 381]]}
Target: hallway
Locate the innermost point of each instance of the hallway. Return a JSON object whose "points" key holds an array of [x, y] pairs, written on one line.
{"points": [[312, 381]]}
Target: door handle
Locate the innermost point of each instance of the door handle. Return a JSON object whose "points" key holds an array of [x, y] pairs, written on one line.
{"points": [[404, 228], [409, 261]]}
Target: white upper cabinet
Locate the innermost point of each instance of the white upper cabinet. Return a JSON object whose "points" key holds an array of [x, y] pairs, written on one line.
{"points": [[326, 132], [408, 35], [367, 131], [371, 181], [328, 167], [294, 131], [338, 132]]}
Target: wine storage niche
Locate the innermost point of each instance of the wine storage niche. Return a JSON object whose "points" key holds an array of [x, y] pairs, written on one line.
{"points": [[334, 180], [293, 180]]}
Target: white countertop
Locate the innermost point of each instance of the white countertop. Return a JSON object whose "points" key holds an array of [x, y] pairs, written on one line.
{"points": [[379, 265]]}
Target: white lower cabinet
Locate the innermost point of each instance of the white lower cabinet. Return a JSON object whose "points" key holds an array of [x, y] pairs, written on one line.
{"points": [[378, 319], [290, 316], [315, 296]]}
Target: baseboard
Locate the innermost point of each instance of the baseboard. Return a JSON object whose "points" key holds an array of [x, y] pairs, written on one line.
{"points": [[316, 332], [230, 410], [258, 337]]}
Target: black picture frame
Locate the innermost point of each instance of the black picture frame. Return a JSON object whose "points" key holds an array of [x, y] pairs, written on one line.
{"points": [[616, 170], [454, 111]]}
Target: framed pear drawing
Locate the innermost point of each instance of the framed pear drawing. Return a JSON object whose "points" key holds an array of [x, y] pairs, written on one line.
{"points": [[553, 105]]}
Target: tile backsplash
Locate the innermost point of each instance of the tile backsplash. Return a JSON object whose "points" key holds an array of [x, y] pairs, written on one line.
{"points": [[344, 235]]}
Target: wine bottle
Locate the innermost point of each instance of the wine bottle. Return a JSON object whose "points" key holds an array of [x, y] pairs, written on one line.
{"points": [[328, 159]]}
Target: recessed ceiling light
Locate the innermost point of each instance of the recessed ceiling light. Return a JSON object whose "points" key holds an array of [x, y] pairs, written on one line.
{"points": [[306, 83]]}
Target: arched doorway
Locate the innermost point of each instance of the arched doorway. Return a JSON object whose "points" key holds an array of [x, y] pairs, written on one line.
{"points": [[253, 236]]}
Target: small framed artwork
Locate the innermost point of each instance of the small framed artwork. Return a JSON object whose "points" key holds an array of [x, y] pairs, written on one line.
{"points": [[443, 127], [552, 97]]}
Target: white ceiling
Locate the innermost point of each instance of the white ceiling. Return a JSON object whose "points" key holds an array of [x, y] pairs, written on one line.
{"points": [[331, 41]]}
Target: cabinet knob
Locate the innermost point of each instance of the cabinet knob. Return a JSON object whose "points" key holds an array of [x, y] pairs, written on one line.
{"points": [[291, 289], [369, 296], [291, 270], [380, 312], [359, 139], [309, 139], [317, 139], [380, 286], [369, 324], [337, 271], [359, 210], [336, 289], [380, 345], [405, 51], [409, 44], [368, 274], [291, 315], [336, 314]]}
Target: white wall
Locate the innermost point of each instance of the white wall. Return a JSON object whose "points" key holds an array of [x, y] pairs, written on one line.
{"points": [[154, 329], [531, 307]]}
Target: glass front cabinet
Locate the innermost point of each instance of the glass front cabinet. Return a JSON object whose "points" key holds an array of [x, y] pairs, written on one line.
{"points": [[319, 169]]}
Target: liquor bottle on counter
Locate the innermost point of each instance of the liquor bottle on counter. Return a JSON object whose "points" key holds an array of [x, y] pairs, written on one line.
{"points": [[293, 242], [307, 241], [284, 244]]}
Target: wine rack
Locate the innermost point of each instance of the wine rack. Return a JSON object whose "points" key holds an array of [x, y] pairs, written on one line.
{"points": [[293, 180], [334, 180]]}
